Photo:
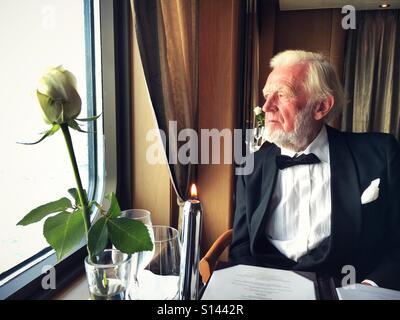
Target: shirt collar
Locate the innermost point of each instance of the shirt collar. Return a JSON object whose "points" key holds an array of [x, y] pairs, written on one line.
{"points": [[319, 146]]}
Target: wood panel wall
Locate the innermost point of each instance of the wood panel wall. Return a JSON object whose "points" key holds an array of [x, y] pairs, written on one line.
{"points": [[218, 70], [311, 30], [308, 30]]}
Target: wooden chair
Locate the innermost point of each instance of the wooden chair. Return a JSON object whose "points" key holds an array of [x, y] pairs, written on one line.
{"points": [[209, 261]]}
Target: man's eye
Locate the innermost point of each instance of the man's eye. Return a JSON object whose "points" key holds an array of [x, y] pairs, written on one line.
{"points": [[284, 95]]}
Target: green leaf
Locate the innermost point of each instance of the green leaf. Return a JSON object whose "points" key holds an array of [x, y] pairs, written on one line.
{"points": [[98, 236], [48, 133], [53, 129], [129, 236], [74, 193], [90, 119], [64, 232], [115, 209], [74, 125], [40, 212]]}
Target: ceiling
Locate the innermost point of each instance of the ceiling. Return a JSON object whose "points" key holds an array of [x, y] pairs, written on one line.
{"points": [[324, 4]]}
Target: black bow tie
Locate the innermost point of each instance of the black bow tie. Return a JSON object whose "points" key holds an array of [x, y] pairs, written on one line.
{"points": [[283, 162]]}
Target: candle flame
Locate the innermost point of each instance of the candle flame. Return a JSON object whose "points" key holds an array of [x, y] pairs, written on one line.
{"points": [[193, 191]]}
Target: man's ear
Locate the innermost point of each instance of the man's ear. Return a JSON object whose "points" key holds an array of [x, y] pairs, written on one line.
{"points": [[322, 108]]}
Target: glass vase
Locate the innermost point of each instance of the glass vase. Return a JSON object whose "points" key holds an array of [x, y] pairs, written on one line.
{"points": [[257, 138], [108, 275]]}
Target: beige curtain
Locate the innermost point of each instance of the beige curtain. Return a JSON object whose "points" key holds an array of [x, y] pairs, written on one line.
{"points": [[372, 74], [178, 57], [167, 32]]}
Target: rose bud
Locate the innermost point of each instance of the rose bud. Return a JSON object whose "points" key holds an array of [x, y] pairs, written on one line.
{"points": [[58, 96], [257, 111]]}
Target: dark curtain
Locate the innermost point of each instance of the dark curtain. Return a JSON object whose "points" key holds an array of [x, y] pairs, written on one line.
{"points": [[250, 73], [372, 74], [167, 33], [250, 62]]}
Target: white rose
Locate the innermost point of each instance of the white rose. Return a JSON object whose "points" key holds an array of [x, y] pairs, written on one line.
{"points": [[257, 111], [58, 96]]}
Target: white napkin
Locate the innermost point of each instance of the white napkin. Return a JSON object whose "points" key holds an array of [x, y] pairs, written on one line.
{"points": [[371, 193], [155, 287]]}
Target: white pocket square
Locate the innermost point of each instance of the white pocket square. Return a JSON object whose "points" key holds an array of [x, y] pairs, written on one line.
{"points": [[371, 193]]}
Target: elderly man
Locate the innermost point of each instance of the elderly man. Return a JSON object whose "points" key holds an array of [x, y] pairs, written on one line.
{"points": [[318, 199]]}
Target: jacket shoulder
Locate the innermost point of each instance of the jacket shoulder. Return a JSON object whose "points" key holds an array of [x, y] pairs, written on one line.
{"points": [[265, 150], [376, 140]]}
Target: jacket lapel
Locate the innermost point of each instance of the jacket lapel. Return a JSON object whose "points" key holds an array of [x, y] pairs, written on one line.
{"points": [[345, 197], [269, 174]]}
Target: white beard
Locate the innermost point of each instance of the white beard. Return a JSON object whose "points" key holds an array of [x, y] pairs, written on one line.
{"points": [[298, 137]]}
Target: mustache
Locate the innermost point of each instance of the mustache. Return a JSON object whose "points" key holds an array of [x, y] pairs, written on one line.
{"points": [[272, 119]]}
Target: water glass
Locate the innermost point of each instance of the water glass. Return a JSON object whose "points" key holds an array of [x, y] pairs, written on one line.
{"points": [[140, 259], [160, 278], [108, 275]]}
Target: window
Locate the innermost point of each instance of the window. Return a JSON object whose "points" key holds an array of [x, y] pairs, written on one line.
{"points": [[33, 36]]}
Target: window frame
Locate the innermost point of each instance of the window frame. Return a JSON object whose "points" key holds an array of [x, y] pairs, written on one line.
{"points": [[25, 281]]}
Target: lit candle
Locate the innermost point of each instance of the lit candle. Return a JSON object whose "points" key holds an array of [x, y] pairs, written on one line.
{"points": [[190, 254]]}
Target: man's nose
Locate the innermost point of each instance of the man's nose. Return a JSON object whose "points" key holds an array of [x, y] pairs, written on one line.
{"points": [[269, 104]]}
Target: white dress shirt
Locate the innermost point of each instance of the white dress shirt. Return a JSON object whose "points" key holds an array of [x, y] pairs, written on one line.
{"points": [[300, 205]]}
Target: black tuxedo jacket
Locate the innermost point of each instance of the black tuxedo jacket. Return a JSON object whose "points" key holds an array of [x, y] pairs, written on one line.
{"points": [[366, 236]]}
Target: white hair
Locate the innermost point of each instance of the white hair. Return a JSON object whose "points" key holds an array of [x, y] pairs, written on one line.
{"points": [[321, 80]]}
